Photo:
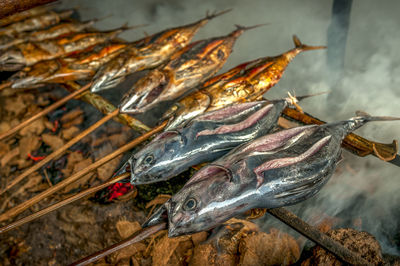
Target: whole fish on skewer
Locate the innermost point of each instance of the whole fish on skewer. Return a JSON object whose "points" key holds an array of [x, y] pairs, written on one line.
{"points": [[245, 82], [23, 15], [27, 54], [187, 69], [58, 30], [276, 170], [206, 138], [147, 53], [60, 70], [38, 22]]}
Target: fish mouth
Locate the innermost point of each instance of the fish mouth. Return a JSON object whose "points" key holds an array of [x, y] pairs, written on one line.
{"points": [[144, 179], [106, 82], [145, 96]]}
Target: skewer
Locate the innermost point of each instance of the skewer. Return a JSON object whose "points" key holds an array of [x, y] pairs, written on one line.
{"points": [[106, 107], [62, 203], [318, 237], [138, 236], [282, 214], [50, 191], [5, 85], [44, 112], [59, 151]]}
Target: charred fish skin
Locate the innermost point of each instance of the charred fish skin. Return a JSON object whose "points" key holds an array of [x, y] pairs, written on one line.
{"points": [[27, 54], [188, 68], [249, 82], [275, 170], [204, 139], [147, 53]]}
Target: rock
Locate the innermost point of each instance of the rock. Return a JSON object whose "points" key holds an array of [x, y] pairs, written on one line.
{"points": [[360, 242], [172, 251], [70, 132], [53, 141], [127, 228], [34, 128], [275, 248], [72, 118], [27, 145]]}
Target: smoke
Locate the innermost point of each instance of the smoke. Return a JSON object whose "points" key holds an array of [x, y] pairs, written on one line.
{"points": [[364, 188]]}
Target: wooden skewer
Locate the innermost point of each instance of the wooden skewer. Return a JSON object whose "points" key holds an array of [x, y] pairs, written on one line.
{"points": [[25, 205], [44, 112], [59, 151], [62, 203], [136, 237], [5, 85]]}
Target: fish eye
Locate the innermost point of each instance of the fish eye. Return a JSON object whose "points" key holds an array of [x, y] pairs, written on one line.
{"points": [[149, 159], [190, 204], [220, 54]]}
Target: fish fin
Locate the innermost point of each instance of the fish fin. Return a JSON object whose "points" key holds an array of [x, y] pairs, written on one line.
{"points": [[299, 45], [368, 117], [207, 171], [216, 14]]}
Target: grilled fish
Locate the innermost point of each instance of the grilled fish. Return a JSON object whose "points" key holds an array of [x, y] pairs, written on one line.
{"points": [[188, 68], [206, 138], [27, 54], [59, 30], [147, 53], [38, 22], [245, 82], [23, 15], [60, 70], [275, 170]]}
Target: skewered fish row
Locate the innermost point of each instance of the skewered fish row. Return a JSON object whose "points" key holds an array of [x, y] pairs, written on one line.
{"points": [[206, 138], [58, 30], [42, 21], [276, 170], [27, 54], [23, 15], [60, 70], [147, 53], [245, 82], [187, 69]]}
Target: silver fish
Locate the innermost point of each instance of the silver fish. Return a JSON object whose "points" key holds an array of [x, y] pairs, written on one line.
{"points": [[204, 139], [275, 170]]}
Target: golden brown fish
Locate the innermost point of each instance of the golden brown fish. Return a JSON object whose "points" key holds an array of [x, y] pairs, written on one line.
{"points": [[60, 70], [23, 15], [147, 53], [58, 30], [38, 22], [27, 54], [187, 69], [245, 82]]}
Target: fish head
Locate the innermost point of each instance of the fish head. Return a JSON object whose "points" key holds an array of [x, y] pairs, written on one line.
{"points": [[202, 203], [144, 92], [158, 160], [11, 60]]}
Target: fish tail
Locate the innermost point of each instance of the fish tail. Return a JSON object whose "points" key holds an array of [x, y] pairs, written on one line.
{"points": [[303, 47], [367, 117], [240, 29], [299, 98], [215, 14], [362, 118]]}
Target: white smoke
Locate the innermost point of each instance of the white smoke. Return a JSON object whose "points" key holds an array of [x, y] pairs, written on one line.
{"points": [[371, 82]]}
